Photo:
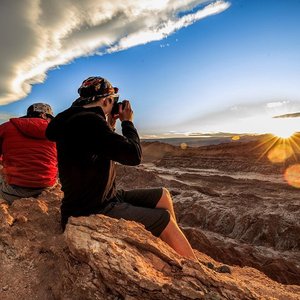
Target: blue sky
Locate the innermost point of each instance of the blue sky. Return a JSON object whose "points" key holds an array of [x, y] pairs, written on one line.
{"points": [[231, 71]]}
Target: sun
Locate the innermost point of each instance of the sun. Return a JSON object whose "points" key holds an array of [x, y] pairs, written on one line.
{"points": [[283, 132]]}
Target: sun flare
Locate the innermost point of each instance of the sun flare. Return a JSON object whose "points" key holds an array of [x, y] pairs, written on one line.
{"points": [[283, 132]]}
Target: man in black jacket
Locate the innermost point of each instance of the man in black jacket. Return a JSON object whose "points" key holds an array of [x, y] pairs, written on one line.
{"points": [[87, 148]]}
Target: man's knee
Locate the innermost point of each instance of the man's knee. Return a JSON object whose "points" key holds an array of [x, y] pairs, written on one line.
{"points": [[166, 193], [166, 198]]}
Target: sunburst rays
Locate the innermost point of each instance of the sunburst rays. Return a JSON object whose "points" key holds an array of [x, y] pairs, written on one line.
{"points": [[285, 151]]}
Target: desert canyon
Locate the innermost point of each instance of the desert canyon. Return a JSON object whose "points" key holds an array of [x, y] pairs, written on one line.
{"points": [[237, 202]]}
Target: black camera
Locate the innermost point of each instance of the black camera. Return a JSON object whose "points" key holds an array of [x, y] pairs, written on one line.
{"points": [[115, 109]]}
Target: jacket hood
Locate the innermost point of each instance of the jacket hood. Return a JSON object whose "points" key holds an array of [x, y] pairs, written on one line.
{"points": [[31, 127], [55, 129]]}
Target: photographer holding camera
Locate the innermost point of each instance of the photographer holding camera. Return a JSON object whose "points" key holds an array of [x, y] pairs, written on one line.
{"points": [[87, 148]]}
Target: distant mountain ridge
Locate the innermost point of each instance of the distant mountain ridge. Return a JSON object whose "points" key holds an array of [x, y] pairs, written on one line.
{"points": [[207, 139]]}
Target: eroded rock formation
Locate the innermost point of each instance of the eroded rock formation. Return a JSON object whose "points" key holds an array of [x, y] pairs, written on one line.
{"points": [[130, 263], [104, 258], [232, 202], [234, 210]]}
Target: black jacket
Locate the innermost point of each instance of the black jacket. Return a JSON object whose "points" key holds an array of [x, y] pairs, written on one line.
{"points": [[87, 149]]}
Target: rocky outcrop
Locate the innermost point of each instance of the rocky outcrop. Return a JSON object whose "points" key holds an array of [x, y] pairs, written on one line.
{"points": [[130, 263], [103, 258], [31, 248]]}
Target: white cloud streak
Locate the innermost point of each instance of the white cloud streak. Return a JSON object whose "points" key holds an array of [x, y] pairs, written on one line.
{"points": [[292, 115], [247, 118], [38, 35], [276, 104]]}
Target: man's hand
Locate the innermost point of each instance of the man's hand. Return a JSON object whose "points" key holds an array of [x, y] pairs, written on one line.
{"points": [[126, 114]]}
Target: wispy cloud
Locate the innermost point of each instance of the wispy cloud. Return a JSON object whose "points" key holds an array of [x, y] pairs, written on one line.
{"points": [[4, 117], [293, 115], [39, 35], [276, 104], [246, 118]]}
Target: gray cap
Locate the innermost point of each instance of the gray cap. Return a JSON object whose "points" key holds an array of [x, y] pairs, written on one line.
{"points": [[41, 108]]}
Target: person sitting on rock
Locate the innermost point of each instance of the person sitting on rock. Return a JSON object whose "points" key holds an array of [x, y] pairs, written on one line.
{"points": [[28, 157], [88, 148]]}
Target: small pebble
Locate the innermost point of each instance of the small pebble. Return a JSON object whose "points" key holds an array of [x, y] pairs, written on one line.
{"points": [[5, 288], [210, 265], [223, 269]]}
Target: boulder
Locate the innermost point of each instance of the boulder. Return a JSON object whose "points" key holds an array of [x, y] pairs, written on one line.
{"points": [[127, 262]]}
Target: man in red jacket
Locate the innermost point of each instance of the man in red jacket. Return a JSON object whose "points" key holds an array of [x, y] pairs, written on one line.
{"points": [[29, 159]]}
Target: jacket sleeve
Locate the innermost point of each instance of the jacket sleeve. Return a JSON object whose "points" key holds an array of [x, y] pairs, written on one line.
{"points": [[125, 149]]}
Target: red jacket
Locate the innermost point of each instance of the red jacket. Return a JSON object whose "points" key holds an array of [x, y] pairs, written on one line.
{"points": [[29, 159]]}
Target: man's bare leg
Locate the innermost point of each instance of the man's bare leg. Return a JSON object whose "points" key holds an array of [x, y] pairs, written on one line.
{"points": [[172, 234], [175, 238]]}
